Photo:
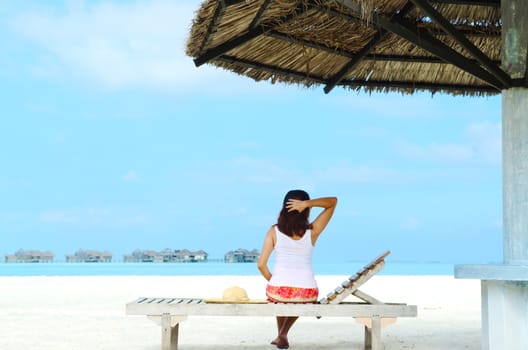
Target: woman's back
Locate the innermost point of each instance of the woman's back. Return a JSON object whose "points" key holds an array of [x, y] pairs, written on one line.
{"points": [[293, 261]]}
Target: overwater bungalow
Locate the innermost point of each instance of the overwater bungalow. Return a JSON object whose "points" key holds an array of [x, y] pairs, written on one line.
{"points": [[166, 255], [143, 256], [30, 256], [89, 256], [242, 256], [189, 256]]}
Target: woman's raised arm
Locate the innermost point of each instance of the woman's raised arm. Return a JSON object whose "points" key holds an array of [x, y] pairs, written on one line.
{"points": [[319, 224]]}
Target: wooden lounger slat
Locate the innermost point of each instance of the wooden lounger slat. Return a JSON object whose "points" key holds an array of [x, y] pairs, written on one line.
{"points": [[339, 290], [272, 309], [349, 286]]}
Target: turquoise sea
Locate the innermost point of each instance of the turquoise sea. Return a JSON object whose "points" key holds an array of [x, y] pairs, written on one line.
{"points": [[204, 269]]}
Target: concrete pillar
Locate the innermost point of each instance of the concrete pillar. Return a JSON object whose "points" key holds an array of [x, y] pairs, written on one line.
{"points": [[515, 175], [514, 16], [504, 310], [515, 132], [505, 302], [505, 287]]}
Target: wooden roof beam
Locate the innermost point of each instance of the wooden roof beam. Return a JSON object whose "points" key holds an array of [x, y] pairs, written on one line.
{"points": [[354, 83], [489, 3], [424, 40], [335, 51], [421, 38], [447, 27], [526, 76], [371, 56], [269, 68], [231, 2], [350, 65], [486, 3], [417, 85], [217, 17], [411, 59], [244, 38], [308, 43], [468, 33], [259, 14]]}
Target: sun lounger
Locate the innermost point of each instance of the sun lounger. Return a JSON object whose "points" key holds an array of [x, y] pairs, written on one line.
{"points": [[372, 313]]}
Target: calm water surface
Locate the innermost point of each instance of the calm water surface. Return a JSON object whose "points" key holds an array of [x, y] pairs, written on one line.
{"points": [[204, 269]]}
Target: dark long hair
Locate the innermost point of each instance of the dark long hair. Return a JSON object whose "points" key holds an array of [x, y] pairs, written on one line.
{"points": [[294, 223]]}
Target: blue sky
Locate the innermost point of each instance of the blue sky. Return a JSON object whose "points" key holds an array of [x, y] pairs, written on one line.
{"points": [[111, 139]]}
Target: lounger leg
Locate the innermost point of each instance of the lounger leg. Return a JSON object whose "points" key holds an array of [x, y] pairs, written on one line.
{"points": [[376, 334], [369, 323], [368, 338], [373, 335], [169, 334]]}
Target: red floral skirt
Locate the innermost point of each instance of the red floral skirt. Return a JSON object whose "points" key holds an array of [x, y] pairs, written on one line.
{"points": [[282, 294]]}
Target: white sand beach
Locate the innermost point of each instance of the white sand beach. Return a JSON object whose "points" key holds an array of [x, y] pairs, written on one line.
{"points": [[88, 313]]}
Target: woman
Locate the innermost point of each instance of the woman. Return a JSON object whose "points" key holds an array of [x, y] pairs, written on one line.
{"points": [[293, 239]]}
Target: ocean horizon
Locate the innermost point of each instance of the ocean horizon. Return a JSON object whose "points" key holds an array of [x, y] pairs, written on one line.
{"points": [[207, 269]]}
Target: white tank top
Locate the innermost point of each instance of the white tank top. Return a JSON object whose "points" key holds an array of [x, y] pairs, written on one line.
{"points": [[293, 261]]}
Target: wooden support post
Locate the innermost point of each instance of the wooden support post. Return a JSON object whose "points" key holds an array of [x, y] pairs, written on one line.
{"points": [[376, 333], [169, 333], [370, 323], [169, 329], [368, 338], [373, 327]]}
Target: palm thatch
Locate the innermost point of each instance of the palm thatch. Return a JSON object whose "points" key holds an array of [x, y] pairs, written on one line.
{"points": [[451, 46]]}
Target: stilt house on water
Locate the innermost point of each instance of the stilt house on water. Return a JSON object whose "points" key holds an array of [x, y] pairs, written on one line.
{"points": [[30, 256], [241, 256], [89, 256], [166, 255]]}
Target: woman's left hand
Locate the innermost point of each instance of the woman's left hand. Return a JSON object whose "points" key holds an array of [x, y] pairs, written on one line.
{"points": [[295, 204]]}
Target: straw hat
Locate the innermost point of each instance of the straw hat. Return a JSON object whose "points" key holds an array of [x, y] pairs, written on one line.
{"points": [[234, 295]]}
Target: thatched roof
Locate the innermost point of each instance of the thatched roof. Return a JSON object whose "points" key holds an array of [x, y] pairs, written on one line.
{"points": [[451, 46]]}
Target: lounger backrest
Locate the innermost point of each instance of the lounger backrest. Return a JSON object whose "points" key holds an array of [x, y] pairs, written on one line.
{"points": [[352, 284]]}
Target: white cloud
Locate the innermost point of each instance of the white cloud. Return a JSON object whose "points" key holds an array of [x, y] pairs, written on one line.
{"points": [[131, 176], [345, 173], [9, 217], [438, 152], [234, 212], [245, 169], [57, 216], [117, 45], [496, 223], [483, 145], [114, 44], [94, 216], [256, 171], [409, 224], [486, 140]]}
